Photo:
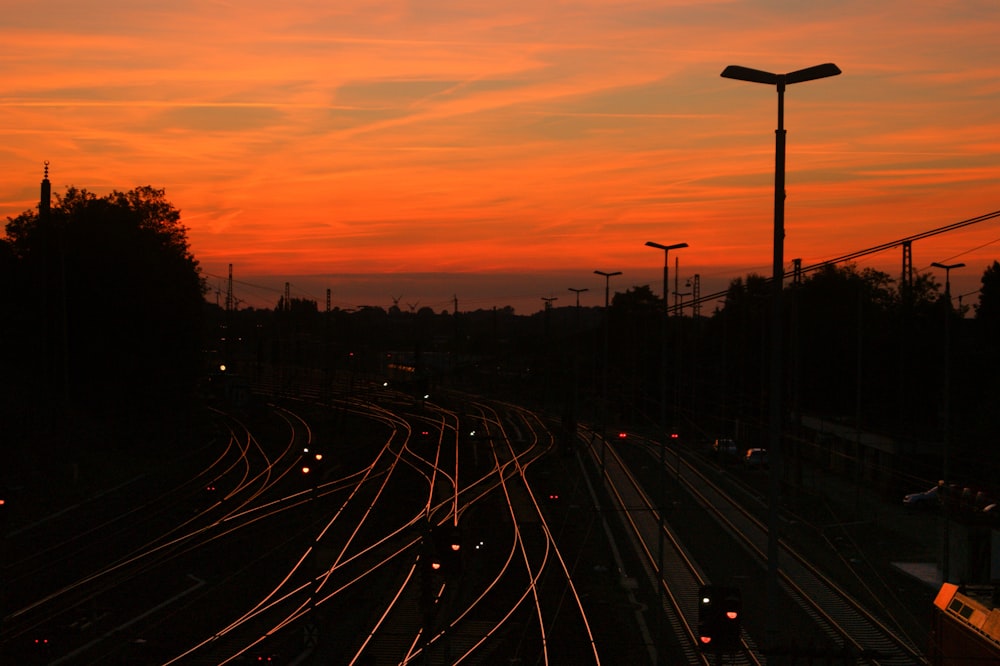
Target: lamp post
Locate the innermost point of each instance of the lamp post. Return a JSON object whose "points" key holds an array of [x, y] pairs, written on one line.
{"points": [[946, 416], [607, 284], [779, 81], [663, 359], [679, 295], [571, 436], [547, 334], [604, 390], [664, 435], [578, 292]]}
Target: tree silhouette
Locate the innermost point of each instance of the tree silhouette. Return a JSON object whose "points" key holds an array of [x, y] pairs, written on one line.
{"points": [[988, 308], [111, 304]]}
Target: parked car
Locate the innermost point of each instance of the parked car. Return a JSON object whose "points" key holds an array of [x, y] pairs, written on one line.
{"points": [[927, 499], [725, 449], [755, 458]]}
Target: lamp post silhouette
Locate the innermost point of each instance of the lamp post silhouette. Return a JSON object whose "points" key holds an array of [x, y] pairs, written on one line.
{"points": [[779, 81], [576, 371], [679, 295], [547, 333], [946, 417], [604, 389], [663, 355], [663, 425]]}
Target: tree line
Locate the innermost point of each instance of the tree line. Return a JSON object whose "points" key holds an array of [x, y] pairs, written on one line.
{"points": [[858, 349]]}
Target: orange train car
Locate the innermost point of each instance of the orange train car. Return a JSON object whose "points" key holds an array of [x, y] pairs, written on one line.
{"points": [[965, 627]]}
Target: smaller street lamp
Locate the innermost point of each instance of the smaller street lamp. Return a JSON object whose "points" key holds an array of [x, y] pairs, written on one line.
{"points": [[947, 277], [679, 295], [604, 402], [946, 416], [607, 284], [663, 424], [666, 266]]}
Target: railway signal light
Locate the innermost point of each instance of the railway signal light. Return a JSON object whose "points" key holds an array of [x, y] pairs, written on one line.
{"points": [[731, 616], [706, 617], [720, 611], [444, 550], [41, 647], [311, 460]]}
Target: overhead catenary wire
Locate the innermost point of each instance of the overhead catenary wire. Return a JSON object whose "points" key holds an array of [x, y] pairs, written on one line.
{"points": [[871, 250]]}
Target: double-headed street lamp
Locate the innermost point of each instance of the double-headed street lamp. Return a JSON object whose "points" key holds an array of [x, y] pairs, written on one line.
{"points": [[666, 266], [946, 415], [947, 278], [576, 368], [607, 301], [607, 284], [663, 338], [664, 434], [779, 81]]}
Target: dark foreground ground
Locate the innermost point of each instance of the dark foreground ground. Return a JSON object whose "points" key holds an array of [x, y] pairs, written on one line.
{"points": [[883, 554]]}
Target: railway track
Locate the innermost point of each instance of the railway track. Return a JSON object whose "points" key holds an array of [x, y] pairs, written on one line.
{"points": [[347, 560], [862, 635]]}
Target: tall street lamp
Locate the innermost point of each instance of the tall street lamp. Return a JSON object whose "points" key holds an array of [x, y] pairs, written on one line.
{"points": [[779, 81], [664, 435], [604, 402], [946, 416]]}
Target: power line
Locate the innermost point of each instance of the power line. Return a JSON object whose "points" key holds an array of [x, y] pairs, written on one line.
{"points": [[878, 248]]}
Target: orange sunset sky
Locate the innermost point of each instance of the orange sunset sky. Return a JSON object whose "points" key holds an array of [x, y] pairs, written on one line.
{"points": [[500, 152]]}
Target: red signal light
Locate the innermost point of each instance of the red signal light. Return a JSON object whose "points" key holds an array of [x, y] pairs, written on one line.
{"points": [[622, 435], [674, 435], [732, 615], [705, 639]]}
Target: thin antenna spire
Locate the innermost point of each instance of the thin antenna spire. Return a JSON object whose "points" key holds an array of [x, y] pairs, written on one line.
{"points": [[45, 201]]}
